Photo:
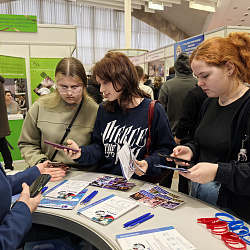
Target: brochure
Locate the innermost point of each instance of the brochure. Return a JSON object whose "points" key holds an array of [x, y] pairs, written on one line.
{"points": [[107, 209], [165, 238], [62, 203], [157, 196], [127, 161], [66, 190], [114, 183]]}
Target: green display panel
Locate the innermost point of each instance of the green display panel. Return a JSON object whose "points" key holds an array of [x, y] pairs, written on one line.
{"points": [[15, 128], [42, 75], [12, 67], [18, 23]]}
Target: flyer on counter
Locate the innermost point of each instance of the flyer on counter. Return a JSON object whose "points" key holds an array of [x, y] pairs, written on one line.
{"points": [[165, 238], [107, 209], [114, 183], [66, 190], [66, 204], [157, 196]]}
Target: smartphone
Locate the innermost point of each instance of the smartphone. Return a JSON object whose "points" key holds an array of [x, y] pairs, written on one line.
{"points": [[191, 163], [57, 164], [38, 184], [177, 169], [59, 146]]}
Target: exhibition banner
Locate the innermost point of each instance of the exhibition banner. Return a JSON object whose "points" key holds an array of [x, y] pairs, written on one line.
{"points": [[187, 45], [18, 23], [42, 76], [12, 67]]}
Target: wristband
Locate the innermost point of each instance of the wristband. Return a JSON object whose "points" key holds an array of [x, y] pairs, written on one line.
{"points": [[217, 215], [207, 220], [244, 238], [243, 231], [233, 225]]}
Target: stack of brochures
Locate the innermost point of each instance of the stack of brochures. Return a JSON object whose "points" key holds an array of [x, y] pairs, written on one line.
{"points": [[65, 195], [165, 238], [157, 196], [107, 209], [113, 183]]}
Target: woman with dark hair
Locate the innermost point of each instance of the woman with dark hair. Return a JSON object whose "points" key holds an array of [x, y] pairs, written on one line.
{"points": [[124, 118], [222, 174], [49, 117]]}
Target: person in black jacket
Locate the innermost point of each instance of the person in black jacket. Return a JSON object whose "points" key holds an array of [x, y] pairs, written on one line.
{"points": [[222, 176], [187, 125], [4, 129]]}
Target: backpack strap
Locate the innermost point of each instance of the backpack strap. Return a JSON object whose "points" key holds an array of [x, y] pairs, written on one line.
{"points": [[151, 110]]}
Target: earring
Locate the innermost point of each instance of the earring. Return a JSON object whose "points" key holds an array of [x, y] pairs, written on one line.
{"points": [[229, 73]]}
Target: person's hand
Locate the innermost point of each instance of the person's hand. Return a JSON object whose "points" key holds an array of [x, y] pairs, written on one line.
{"points": [[143, 165], [182, 152], [56, 173], [32, 203], [72, 154], [178, 141], [202, 172]]}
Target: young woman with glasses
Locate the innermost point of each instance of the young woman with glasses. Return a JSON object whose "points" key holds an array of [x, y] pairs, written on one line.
{"points": [[49, 117]]}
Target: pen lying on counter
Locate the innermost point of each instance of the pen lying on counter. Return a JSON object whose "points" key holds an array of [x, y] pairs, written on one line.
{"points": [[88, 198], [137, 221]]}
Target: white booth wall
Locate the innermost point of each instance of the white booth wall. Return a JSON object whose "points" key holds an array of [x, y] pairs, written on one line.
{"points": [[50, 41], [169, 50]]}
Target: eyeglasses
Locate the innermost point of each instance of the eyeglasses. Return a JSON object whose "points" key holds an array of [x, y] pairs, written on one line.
{"points": [[75, 90]]}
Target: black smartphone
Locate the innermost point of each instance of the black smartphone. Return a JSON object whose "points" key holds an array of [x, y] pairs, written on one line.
{"points": [[57, 164], [59, 146], [38, 184], [191, 163]]}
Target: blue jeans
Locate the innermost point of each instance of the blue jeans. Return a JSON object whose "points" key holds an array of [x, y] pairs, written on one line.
{"points": [[206, 192]]}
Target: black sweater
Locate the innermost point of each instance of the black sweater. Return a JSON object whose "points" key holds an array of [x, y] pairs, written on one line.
{"points": [[233, 175]]}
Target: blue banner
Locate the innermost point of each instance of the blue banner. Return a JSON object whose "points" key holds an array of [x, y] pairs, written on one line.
{"points": [[187, 45]]}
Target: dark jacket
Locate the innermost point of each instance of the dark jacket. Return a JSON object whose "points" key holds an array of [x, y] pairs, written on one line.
{"points": [[14, 223], [233, 175], [173, 92], [4, 123], [149, 83], [190, 114]]}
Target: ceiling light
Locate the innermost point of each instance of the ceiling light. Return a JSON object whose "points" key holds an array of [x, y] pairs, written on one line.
{"points": [[155, 6], [242, 19], [246, 14], [200, 5]]}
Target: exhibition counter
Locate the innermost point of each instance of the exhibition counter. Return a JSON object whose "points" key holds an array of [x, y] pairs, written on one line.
{"points": [[183, 218]]}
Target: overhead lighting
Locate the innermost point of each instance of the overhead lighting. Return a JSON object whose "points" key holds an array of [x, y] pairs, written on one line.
{"points": [[155, 5], [202, 5]]}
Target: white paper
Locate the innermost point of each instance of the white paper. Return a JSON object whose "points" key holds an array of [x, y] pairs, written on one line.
{"points": [[125, 157], [166, 238], [67, 189], [127, 161], [107, 209]]}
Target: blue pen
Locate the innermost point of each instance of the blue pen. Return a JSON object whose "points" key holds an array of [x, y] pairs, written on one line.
{"points": [[135, 224], [44, 189], [88, 198], [135, 220]]}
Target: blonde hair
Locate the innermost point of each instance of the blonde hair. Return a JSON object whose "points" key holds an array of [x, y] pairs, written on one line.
{"points": [[67, 67]]}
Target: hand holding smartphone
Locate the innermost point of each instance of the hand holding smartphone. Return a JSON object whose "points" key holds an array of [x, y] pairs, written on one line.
{"points": [[191, 163], [38, 184], [60, 146]]}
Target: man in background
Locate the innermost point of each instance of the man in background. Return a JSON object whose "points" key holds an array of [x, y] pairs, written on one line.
{"points": [[147, 81], [173, 93], [4, 129], [143, 87]]}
